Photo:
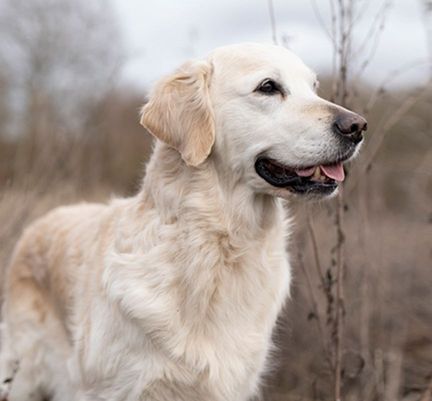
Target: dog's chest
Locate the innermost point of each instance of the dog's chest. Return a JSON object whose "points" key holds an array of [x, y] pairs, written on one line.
{"points": [[213, 352], [206, 311]]}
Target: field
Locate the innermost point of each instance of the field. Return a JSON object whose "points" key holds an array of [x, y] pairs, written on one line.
{"points": [[387, 226], [384, 334]]}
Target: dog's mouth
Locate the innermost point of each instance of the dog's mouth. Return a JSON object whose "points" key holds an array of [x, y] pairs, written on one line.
{"points": [[320, 179]]}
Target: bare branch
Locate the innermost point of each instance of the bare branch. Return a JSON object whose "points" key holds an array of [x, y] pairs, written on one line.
{"points": [[272, 21], [321, 21], [427, 19], [315, 251], [391, 77], [335, 49], [376, 36], [375, 25], [339, 296], [315, 311], [386, 125]]}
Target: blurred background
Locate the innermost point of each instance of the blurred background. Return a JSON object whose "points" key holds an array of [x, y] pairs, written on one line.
{"points": [[73, 75]]}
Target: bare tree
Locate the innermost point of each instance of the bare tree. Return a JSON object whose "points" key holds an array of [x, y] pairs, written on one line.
{"points": [[59, 58]]}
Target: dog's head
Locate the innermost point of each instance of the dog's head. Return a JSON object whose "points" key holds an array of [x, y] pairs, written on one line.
{"points": [[255, 109]]}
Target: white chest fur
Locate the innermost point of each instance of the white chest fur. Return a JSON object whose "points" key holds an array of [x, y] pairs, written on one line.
{"points": [[199, 309]]}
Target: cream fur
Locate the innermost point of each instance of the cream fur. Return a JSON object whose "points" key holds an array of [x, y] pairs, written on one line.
{"points": [[170, 295]]}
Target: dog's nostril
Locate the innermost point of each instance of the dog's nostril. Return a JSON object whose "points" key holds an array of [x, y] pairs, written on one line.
{"points": [[362, 124], [350, 125]]}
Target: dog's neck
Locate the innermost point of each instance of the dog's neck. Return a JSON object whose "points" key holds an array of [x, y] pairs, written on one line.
{"points": [[207, 196]]}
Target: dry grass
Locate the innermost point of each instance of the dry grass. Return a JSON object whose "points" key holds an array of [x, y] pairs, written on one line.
{"points": [[378, 345], [387, 347]]}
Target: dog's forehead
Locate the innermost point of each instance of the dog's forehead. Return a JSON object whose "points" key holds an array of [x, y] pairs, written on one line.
{"points": [[250, 58]]}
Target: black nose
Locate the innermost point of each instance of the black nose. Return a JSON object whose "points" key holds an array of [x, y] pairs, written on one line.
{"points": [[350, 126]]}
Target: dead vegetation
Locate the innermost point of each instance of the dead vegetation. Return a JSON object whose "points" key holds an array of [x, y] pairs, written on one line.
{"points": [[363, 338], [358, 325]]}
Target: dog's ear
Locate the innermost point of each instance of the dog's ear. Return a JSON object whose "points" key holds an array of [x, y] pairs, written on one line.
{"points": [[179, 112]]}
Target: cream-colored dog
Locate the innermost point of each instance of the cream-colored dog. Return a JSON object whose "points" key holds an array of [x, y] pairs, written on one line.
{"points": [[172, 295]]}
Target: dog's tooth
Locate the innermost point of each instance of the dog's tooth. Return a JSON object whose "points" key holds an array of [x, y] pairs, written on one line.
{"points": [[317, 173]]}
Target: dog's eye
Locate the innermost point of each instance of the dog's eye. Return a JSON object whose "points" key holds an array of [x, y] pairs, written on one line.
{"points": [[269, 87]]}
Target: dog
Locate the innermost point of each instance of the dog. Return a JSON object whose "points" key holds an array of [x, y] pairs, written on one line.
{"points": [[172, 295]]}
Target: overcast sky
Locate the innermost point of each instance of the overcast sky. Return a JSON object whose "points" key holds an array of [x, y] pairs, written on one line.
{"points": [[161, 34]]}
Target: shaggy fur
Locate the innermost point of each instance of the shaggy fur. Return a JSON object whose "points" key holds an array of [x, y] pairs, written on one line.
{"points": [[171, 295]]}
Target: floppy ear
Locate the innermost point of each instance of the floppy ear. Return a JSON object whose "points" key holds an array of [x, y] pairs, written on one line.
{"points": [[179, 112]]}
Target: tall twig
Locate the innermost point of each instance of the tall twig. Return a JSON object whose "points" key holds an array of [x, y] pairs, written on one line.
{"points": [[344, 15], [427, 18], [272, 21], [316, 255], [376, 29], [339, 296], [345, 12], [335, 47], [323, 24], [315, 310]]}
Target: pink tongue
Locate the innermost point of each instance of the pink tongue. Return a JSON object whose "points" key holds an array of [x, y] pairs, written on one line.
{"points": [[306, 172], [334, 171]]}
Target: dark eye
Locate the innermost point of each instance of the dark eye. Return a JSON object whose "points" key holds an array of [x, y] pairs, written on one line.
{"points": [[269, 87]]}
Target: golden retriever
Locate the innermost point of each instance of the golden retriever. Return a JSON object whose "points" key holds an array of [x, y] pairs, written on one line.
{"points": [[172, 295]]}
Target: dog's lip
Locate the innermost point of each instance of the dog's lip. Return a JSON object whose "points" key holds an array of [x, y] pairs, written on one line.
{"points": [[324, 162], [308, 171], [321, 178]]}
